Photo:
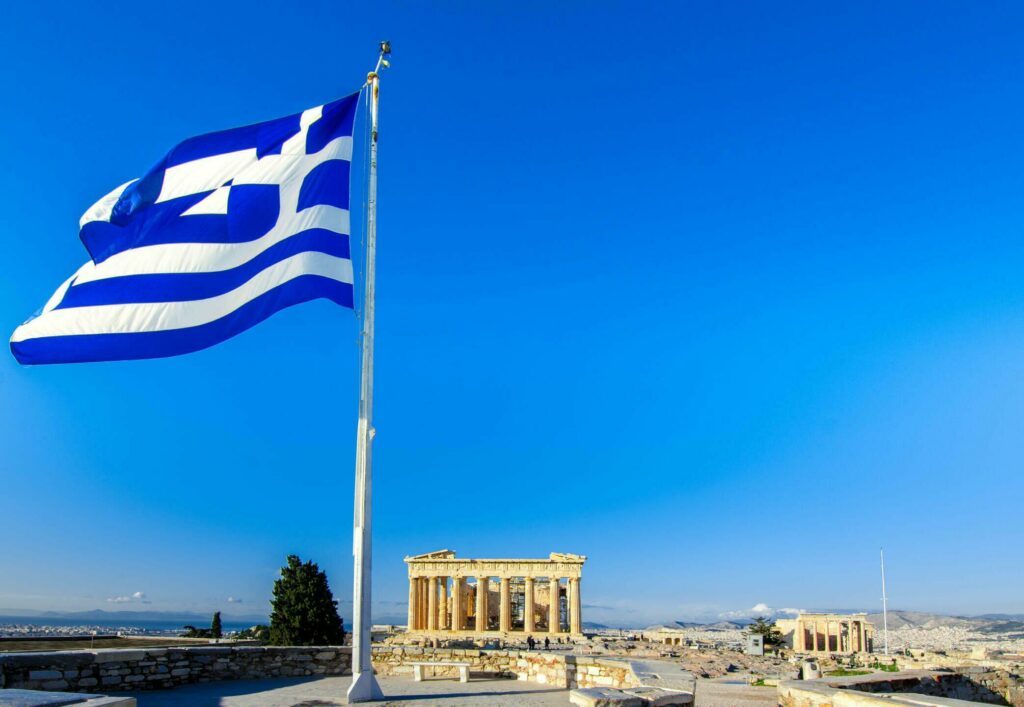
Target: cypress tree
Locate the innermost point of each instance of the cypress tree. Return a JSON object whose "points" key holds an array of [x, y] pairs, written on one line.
{"points": [[304, 612], [768, 629], [215, 627]]}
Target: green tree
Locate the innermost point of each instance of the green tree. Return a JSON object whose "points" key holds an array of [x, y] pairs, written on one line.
{"points": [[303, 610], [215, 628], [768, 629]]}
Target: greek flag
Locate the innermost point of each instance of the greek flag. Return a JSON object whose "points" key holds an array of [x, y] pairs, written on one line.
{"points": [[227, 229]]}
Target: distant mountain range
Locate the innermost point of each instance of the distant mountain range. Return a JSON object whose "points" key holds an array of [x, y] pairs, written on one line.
{"points": [[985, 623], [716, 626], [98, 616]]}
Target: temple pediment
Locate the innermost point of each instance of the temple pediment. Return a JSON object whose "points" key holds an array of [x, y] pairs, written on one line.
{"points": [[435, 555]]}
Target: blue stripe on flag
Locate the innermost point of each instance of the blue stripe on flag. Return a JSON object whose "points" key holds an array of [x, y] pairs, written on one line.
{"points": [[157, 344], [266, 137]]}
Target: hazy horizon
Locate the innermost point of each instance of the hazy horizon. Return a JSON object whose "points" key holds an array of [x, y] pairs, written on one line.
{"points": [[381, 615]]}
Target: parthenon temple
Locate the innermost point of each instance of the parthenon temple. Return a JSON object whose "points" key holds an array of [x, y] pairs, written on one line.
{"points": [[467, 598], [828, 633]]}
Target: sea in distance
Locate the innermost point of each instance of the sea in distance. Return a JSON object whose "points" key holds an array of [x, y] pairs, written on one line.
{"points": [[113, 623]]}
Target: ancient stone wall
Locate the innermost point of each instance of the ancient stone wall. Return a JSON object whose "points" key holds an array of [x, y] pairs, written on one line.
{"points": [[985, 685], [1001, 682], [554, 669], [968, 686], [152, 668]]}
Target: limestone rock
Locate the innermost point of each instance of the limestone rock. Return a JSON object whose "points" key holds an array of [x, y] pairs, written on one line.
{"points": [[604, 697]]}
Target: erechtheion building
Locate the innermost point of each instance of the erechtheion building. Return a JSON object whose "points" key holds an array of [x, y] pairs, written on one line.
{"points": [[828, 633], [451, 597]]}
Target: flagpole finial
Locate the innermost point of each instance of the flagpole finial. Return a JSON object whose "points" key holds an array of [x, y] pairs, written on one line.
{"points": [[384, 60]]}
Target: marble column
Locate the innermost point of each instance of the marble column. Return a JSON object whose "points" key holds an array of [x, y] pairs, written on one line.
{"points": [[411, 622], [529, 625], [442, 603], [815, 636], [481, 603], [575, 623], [465, 604], [421, 603], [505, 610], [457, 602], [553, 594], [432, 604]]}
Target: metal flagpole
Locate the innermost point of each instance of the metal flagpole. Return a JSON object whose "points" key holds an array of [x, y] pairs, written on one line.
{"points": [[364, 684], [885, 603]]}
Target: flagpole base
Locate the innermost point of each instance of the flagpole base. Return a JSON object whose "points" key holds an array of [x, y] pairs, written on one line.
{"points": [[364, 688]]}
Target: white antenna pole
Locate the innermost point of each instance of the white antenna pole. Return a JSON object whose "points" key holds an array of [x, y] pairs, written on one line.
{"points": [[364, 684], [885, 605]]}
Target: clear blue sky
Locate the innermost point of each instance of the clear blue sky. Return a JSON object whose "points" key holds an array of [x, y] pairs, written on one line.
{"points": [[723, 296]]}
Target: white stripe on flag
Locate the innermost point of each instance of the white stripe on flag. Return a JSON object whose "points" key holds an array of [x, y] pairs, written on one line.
{"points": [[162, 316], [171, 258]]}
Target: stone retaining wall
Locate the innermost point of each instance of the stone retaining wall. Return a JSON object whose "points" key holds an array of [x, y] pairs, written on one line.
{"points": [[556, 669], [985, 685], [153, 668], [945, 688], [1002, 682]]}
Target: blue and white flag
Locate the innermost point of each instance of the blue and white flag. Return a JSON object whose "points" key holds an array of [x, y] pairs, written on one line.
{"points": [[227, 229]]}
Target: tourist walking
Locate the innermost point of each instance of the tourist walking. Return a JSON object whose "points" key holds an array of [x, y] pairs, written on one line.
{"points": [[547, 643], [530, 643]]}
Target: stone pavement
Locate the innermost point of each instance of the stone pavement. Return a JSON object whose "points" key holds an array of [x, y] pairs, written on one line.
{"points": [[732, 691], [322, 692]]}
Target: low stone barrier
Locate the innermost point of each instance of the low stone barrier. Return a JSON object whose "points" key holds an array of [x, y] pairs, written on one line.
{"points": [[555, 669], [112, 669], [917, 687]]}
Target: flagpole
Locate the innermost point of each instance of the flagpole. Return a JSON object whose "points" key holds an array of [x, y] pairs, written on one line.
{"points": [[885, 602], [364, 684]]}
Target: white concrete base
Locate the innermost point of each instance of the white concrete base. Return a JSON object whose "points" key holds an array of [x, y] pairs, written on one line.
{"points": [[364, 688]]}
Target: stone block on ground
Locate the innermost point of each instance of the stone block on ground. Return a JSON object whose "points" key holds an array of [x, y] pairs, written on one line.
{"points": [[656, 697], [604, 697]]}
